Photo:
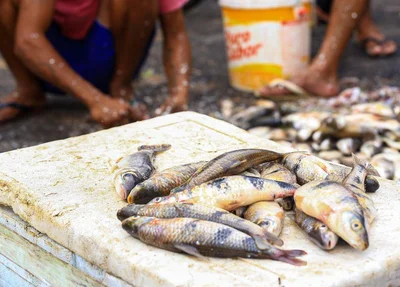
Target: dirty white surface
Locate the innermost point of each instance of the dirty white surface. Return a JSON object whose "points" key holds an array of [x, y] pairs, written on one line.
{"points": [[64, 189]]}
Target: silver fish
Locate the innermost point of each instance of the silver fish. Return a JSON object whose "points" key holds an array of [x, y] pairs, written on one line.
{"points": [[135, 168], [203, 212], [203, 238], [317, 231]]}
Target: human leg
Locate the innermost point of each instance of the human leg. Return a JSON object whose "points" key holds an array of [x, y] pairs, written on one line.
{"points": [[28, 92], [320, 78], [372, 39]]}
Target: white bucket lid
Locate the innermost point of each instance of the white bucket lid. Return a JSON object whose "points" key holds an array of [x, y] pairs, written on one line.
{"points": [[258, 4]]}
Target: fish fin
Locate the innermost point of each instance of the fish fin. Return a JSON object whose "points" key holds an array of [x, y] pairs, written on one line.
{"points": [[334, 177], [289, 256], [156, 148], [188, 249], [371, 170], [262, 241], [293, 261]]}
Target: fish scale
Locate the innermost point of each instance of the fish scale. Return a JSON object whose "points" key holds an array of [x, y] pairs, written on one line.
{"points": [[231, 192], [202, 212], [229, 163], [203, 238]]}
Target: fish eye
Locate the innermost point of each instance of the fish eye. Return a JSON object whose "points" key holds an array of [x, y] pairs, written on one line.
{"points": [[324, 227], [356, 225], [157, 199]]}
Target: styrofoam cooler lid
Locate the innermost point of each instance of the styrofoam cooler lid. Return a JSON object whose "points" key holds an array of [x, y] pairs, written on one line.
{"points": [[258, 4]]}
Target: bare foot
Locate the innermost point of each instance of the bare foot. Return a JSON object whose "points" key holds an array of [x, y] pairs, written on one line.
{"points": [[372, 40], [311, 81], [173, 104], [25, 100]]}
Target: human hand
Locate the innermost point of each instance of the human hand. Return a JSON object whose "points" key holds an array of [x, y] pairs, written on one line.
{"points": [[110, 112], [173, 104]]}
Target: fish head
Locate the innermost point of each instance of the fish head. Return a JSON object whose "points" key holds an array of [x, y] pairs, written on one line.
{"points": [[124, 182], [323, 236], [271, 225], [354, 229], [141, 194], [133, 224], [128, 211]]}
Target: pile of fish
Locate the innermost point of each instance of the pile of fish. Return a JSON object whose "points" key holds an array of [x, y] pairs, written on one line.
{"points": [[234, 205], [366, 124]]}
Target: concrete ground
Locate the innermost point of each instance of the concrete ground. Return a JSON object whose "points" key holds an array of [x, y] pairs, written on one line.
{"points": [[66, 117]]}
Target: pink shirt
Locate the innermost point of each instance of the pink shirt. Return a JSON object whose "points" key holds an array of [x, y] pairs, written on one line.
{"points": [[75, 17]]}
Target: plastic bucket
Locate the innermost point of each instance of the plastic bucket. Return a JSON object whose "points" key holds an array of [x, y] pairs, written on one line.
{"points": [[265, 40]]}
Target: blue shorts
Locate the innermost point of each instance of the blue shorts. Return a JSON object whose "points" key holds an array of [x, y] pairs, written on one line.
{"points": [[93, 57]]}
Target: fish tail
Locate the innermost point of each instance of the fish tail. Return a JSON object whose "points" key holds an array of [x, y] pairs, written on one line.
{"points": [[293, 261], [358, 161], [155, 148], [288, 256]]}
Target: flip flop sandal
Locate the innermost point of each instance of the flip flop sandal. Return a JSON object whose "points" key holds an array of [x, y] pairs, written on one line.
{"points": [[365, 41], [22, 109], [296, 92]]}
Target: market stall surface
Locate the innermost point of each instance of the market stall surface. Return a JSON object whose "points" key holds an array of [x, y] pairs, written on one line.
{"points": [[64, 191], [66, 117]]}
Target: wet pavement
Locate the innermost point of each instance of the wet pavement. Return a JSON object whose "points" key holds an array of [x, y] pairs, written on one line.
{"points": [[66, 117]]}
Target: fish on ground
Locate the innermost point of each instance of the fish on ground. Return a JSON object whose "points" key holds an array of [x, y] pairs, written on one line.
{"points": [[337, 207], [135, 168], [269, 215], [231, 192], [229, 163], [161, 183], [261, 236], [203, 238], [317, 231], [355, 182]]}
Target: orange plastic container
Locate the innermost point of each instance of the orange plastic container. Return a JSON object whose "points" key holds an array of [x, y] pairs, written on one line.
{"points": [[265, 40]]}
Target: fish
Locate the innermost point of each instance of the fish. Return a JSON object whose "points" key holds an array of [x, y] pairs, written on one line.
{"points": [[229, 163], [240, 211], [308, 168], [286, 203], [203, 238], [355, 181], [276, 171], [371, 148], [337, 207], [243, 118], [347, 146], [261, 236], [267, 214], [358, 125], [251, 172], [392, 143], [161, 184], [231, 192], [310, 121], [317, 231], [326, 144], [384, 165], [390, 163], [135, 168], [375, 108], [330, 155]]}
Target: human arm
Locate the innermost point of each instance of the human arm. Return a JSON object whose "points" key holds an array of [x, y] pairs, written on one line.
{"points": [[36, 52], [177, 61]]}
